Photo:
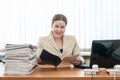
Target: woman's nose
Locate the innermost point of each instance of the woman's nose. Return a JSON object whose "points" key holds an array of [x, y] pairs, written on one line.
{"points": [[59, 29]]}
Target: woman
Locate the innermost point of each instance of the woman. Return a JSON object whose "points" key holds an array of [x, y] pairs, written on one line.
{"points": [[56, 43]]}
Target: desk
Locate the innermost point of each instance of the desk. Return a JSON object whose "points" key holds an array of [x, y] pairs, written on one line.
{"points": [[61, 73]]}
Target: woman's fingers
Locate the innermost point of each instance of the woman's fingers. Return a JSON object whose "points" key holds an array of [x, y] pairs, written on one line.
{"points": [[39, 60]]}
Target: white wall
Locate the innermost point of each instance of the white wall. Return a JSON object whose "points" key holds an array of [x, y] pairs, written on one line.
{"points": [[24, 21]]}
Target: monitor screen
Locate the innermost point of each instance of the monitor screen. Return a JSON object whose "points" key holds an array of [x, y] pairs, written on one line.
{"points": [[105, 53]]}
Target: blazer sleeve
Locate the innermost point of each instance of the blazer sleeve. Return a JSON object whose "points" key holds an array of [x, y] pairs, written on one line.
{"points": [[76, 51], [39, 47]]}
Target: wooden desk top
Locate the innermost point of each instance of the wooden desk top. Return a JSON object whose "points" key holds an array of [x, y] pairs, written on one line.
{"points": [[61, 73]]}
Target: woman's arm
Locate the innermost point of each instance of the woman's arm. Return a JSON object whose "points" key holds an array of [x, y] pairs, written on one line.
{"points": [[39, 50], [73, 59]]}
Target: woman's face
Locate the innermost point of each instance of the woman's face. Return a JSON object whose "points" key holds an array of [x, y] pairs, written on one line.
{"points": [[58, 28]]}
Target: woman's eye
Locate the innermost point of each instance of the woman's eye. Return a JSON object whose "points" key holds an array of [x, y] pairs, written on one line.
{"points": [[62, 26], [56, 26]]}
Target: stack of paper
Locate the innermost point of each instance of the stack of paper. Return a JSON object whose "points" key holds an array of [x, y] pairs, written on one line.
{"points": [[20, 59]]}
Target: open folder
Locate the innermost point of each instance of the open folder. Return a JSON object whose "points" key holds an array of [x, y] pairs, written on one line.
{"points": [[48, 58]]}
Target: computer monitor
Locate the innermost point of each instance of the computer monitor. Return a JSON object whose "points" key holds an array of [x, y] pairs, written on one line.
{"points": [[101, 53]]}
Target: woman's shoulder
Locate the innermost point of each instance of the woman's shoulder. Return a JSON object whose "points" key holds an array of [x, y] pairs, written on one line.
{"points": [[69, 37], [43, 38]]}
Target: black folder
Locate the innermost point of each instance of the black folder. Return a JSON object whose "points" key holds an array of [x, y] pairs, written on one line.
{"points": [[48, 58]]}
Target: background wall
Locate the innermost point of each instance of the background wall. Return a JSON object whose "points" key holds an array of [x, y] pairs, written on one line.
{"points": [[24, 21]]}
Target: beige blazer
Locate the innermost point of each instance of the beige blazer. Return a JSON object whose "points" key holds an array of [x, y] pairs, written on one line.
{"points": [[70, 46]]}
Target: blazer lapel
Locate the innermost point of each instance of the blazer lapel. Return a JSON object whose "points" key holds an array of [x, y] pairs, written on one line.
{"points": [[52, 42], [68, 45], [65, 43]]}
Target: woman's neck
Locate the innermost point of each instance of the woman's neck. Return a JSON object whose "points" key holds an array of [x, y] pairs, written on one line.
{"points": [[57, 39]]}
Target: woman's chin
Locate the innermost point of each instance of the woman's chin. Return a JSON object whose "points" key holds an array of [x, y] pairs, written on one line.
{"points": [[58, 36]]}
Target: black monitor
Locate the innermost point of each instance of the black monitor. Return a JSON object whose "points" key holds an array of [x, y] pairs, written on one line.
{"points": [[102, 53]]}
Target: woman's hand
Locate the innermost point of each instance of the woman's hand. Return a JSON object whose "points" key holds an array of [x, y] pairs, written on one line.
{"points": [[39, 60], [73, 60]]}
